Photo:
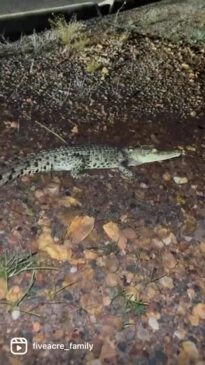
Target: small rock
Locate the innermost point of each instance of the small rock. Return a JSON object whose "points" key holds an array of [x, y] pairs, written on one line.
{"points": [[14, 125], [153, 323], [166, 282], [166, 176], [73, 269], [144, 186], [15, 314], [191, 148], [188, 238], [185, 66], [75, 129], [180, 334], [200, 193], [193, 113], [179, 180]]}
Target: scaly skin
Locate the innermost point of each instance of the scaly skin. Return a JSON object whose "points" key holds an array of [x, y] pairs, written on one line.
{"points": [[78, 159]]}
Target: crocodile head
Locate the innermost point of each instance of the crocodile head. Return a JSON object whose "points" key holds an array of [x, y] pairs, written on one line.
{"points": [[145, 154]]}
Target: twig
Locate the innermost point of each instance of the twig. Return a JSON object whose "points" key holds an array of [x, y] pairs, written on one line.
{"points": [[31, 284], [50, 131]]}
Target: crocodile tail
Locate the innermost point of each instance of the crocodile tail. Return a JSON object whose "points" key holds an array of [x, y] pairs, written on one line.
{"points": [[23, 168]]}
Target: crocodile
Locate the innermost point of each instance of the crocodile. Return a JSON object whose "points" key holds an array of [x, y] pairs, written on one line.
{"points": [[77, 159]]}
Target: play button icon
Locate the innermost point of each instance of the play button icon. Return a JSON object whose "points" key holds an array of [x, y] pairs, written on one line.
{"points": [[18, 346]]}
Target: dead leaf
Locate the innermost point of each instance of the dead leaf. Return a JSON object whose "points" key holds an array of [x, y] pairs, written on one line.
{"points": [[188, 353], [115, 234], [90, 255], [14, 294], [80, 228], [69, 201], [199, 310], [56, 252], [45, 239], [46, 243], [169, 261], [194, 320], [75, 129], [108, 351], [202, 247]]}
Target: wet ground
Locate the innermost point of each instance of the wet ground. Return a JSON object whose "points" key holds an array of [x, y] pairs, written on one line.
{"points": [[119, 264]]}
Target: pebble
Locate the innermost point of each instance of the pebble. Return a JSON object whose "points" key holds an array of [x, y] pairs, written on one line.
{"points": [[180, 334], [15, 314], [166, 282], [179, 180], [153, 323]]}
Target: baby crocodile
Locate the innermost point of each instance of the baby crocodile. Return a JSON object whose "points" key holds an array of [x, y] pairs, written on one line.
{"points": [[77, 159]]}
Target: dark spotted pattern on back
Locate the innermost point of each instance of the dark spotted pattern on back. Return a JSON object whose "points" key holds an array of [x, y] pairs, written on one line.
{"points": [[74, 159]]}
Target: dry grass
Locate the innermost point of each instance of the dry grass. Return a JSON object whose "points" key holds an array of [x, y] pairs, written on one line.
{"points": [[70, 34]]}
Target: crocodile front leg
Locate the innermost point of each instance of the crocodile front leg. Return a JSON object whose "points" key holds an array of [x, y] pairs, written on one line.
{"points": [[125, 171]]}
